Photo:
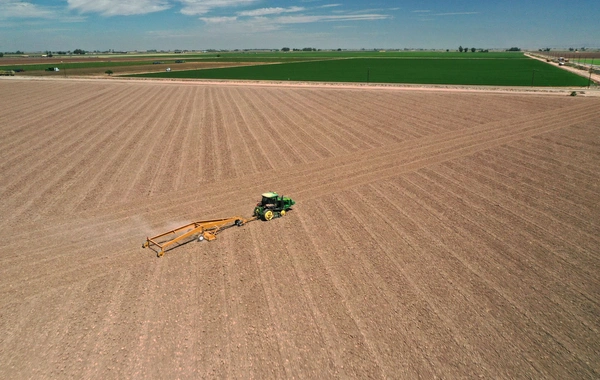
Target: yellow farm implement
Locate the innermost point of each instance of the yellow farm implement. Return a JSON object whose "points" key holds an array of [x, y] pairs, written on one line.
{"points": [[270, 206], [201, 230]]}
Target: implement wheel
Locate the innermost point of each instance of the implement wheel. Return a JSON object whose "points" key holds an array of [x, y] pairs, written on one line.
{"points": [[268, 215]]}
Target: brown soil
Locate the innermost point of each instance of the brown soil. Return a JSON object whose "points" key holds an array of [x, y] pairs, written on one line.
{"points": [[435, 234], [123, 70]]}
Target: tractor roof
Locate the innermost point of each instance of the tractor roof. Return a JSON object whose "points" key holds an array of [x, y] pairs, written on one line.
{"points": [[270, 194]]}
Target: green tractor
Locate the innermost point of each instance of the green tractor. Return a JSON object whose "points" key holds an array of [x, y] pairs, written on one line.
{"points": [[272, 206]]}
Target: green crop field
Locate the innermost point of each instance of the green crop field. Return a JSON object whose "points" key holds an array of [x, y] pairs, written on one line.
{"points": [[299, 55], [485, 69], [249, 56]]}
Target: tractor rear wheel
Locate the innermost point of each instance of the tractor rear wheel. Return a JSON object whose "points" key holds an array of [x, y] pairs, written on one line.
{"points": [[268, 215]]}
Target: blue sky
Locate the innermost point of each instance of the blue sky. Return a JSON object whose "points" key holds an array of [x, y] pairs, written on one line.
{"points": [[30, 25]]}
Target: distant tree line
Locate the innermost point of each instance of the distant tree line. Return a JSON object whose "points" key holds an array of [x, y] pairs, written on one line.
{"points": [[48, 52], [303, 49], [473, 50]]}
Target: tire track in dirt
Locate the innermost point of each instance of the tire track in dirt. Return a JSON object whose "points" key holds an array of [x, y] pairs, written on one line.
{"points": [[359, 355], [169, 135], [565, 178], [288, 128], [187, 161], [139, 183], [567, 141], [344, 161], [549, 163], [364, 126], [105, 339], [575, 157], [449, 151], [529, 296], [91, 187], [409, 111], [56, 103], [347, 133], [253, 153], [478, 254], [33, 131], [248, 319], [499, 308], [319, 294], [395, 172], [118, 178], [210, 160], [544, 215], [37, 176], [587, 141], [226, 157], [573, 191], [94, 186], [383, 296], [41, 137], [287, 152], [393, 168], [269, 142], [494, 169], [149, 320], [290, 116], [423, 262], [525, 231], [23, 157], [339, 142]]}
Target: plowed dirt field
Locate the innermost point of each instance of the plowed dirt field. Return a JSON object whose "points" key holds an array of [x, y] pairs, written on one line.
{"points": [[435, 234]]}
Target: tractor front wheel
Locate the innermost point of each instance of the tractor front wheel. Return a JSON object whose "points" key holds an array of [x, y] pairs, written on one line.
{"points": [[282, 212], [268, 215]]}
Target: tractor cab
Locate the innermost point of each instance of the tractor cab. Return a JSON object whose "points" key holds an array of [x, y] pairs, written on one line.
{"points": [[272, 206], [269, 200]]}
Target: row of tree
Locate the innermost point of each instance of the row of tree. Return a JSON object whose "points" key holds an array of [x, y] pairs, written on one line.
{"points": [[473, 50], [303, 49], [49, 53]]}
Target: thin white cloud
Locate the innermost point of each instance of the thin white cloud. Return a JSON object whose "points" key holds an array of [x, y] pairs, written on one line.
{"points": [[23, 9], [303, 19], [119, 7], [236, 26], [270, 11], [330, 5], [218, 20], [455, 13], [202, 7], [421, 11]]}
